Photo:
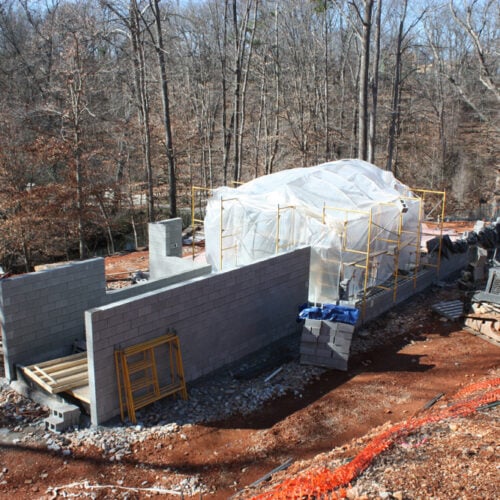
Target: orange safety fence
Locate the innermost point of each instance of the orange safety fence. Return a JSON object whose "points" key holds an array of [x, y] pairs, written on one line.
{"points": [[324, 483]]}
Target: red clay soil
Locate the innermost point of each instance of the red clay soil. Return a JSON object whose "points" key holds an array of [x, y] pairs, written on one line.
{"points": [[384, 386]]}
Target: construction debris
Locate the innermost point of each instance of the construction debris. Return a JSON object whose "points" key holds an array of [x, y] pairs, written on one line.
{"points": [[484, 316]]}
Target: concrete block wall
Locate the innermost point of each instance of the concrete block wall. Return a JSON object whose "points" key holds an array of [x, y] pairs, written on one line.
{"points": [[219, 319], [165, 240], [42, 313], [149, 286], [384, 300]]}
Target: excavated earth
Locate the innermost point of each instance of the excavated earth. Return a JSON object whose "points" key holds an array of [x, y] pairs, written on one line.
{"points": [[233, 432]]}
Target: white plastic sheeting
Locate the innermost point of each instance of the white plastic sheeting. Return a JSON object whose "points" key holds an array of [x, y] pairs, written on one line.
{"points": [[358, 219]]}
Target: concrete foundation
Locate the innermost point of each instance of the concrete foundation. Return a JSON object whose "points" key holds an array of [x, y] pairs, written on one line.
{"points": [[219, 319], [42, 313]]}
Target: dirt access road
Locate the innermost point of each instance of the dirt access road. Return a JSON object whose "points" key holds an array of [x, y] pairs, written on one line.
{"points": [[416, 356]]}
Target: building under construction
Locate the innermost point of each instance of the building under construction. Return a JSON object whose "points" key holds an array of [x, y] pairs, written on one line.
{"points": [[343, 233]]}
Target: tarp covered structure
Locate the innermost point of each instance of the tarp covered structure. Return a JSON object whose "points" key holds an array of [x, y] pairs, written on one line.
{"points": [[361, 223]]}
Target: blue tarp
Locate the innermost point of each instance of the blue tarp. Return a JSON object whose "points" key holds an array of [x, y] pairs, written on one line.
{"points": [[330, 312]]}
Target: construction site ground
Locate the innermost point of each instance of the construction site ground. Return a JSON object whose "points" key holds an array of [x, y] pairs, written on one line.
{"points": [[413, 355]]}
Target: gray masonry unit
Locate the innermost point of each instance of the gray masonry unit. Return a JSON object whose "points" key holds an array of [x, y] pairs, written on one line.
{"points": [[219, 318]]}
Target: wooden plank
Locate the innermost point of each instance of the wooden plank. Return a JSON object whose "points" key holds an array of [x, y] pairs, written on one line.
{"points": [[60, 374], [41, 373], [69, 382], [81, 393], [488, 316], [42, 383], [490, 339], [66, 372], [64, 359], [72, 365]]}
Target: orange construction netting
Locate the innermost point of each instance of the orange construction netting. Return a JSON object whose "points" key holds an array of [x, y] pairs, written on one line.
{"points": [[322, 482]]}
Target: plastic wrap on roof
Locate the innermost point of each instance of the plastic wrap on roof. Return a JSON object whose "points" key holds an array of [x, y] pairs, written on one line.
{"points": [[360, 222]]}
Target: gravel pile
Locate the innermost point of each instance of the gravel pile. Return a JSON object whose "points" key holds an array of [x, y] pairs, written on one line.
{"points": [[216, 398]]}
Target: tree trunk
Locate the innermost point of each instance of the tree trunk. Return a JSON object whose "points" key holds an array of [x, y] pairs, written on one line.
{"points": [[396, 96], [363, 81], [142, 98], [372, 134], [160, 52], [277, 85], [236, 93], [226, 129], [326, 86], [245, 59]]}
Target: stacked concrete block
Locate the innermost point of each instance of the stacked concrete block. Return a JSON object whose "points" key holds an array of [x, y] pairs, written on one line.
{"points": [[165, 252], [62, 416], [165, 242], [326, 343], [165, 238], [182, 275]]}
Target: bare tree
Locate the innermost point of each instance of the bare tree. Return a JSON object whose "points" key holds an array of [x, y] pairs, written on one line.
{"points": [[160, 52], [475, 21], [374, 81]]}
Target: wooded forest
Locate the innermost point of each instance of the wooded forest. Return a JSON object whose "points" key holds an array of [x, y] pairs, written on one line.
{"points": [[110, 110]]}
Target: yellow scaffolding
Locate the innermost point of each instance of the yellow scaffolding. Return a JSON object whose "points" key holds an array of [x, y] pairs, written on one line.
{"points": [[225, 236], [400, 242], [403, 237], [365, 255], [139, 380], [199, 199], [279, 239]]}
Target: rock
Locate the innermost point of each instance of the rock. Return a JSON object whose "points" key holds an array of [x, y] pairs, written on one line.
{"points": [[352, 493]]}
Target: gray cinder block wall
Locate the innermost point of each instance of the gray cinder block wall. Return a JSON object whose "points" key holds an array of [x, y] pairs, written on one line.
{"points": [[384, 300], [165, 240], [41, 314], [219, 319]]}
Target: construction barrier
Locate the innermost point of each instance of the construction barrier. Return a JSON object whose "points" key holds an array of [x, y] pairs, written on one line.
{"points": [[324, 483]]}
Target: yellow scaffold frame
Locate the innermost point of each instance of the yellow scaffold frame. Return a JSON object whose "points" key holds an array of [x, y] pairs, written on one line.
{"points": [[138, 378], [279, 246], [226, 236], [196, 195], [367, 256]]}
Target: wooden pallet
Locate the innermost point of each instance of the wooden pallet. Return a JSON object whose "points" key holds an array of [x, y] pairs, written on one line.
{"points": [[61, 374]]}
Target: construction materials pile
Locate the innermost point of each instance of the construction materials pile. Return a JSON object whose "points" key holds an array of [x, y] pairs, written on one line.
{"points": [[484, 317]]}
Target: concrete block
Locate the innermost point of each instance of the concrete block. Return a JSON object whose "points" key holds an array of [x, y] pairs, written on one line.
{"points": [[307, 349]]}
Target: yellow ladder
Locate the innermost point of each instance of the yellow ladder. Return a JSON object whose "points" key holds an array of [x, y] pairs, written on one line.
{"points": [[140, 382]]}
